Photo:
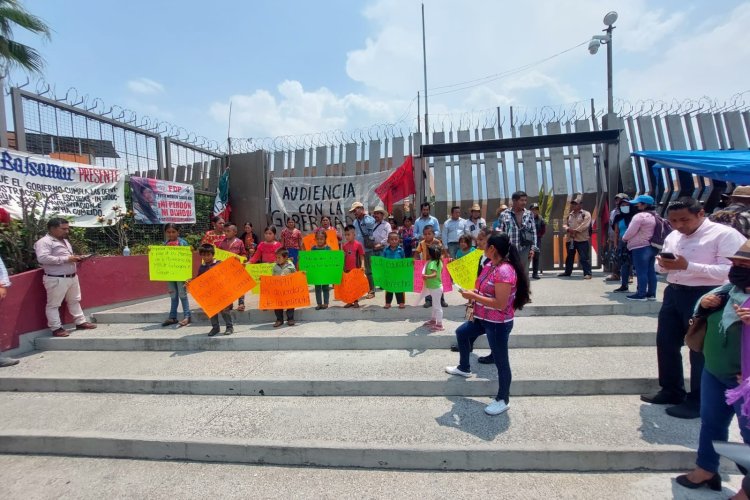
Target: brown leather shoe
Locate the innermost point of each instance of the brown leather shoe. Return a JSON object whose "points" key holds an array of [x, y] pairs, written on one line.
{"points": [[86, 326], [60, 332]]}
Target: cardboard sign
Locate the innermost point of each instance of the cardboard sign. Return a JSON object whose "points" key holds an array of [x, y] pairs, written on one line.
{"points": [[256, 271], [220, 254], [170, 263], [419, 266], [220, 286], [284, 292], [354, 285], [464, 271], [393, 275], [332, 240], [323, 267]]}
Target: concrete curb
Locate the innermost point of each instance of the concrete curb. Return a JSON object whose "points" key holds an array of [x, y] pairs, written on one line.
{"points": [[569, 458], [223, 387]]}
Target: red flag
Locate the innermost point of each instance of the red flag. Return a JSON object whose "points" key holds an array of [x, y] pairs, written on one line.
{"points": [[398, 185]]}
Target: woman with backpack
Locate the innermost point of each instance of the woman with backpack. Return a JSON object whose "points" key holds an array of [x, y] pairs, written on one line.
{"points": [[638, 237]]}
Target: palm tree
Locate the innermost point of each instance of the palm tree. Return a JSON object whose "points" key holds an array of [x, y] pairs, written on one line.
{"points": [[12, 53]]}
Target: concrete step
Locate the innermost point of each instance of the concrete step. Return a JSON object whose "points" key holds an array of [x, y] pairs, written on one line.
{"points": [[177, 480], [531, 332], [583, 434], [574, 371]]}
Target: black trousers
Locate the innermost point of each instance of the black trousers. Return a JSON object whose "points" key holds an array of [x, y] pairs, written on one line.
{"points": [[535, 264], [280, 314], [675, 312], [400, 297], [584, 257]]}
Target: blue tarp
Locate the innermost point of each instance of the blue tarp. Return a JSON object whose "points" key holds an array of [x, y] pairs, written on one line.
{"points": [[730, 166]]}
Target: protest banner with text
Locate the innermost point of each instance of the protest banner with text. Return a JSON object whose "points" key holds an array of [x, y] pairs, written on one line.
{"points": [[86, 194], [323, 267], [354, 285], [464, 271], [170, 263], [308, 199], [393, 275], [221, 285], [258, 270], [284, 292], [445, 277], [332, 240], [158, 202]]}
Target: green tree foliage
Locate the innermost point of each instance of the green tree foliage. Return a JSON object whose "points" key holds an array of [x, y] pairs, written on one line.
{"points": [[14, 54]]}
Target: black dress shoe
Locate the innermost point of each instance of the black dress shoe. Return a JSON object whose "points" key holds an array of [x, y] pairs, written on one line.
{"points": [[661, 398], [714, 482], [564, 274], [686, 410], [487, 360]]}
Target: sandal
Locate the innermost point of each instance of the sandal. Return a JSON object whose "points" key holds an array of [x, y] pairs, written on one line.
{"points": [[370, 295], [402, 306], [241, 307], [387, 306], [170, 321], [185, 321]]}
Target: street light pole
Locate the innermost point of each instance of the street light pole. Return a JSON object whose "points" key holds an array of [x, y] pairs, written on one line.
{"points": [[610, 99]]}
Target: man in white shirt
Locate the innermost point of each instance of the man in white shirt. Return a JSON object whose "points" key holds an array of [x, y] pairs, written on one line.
{"points": [[381, 230], [453, 229], [695, 258], [4, 285]]}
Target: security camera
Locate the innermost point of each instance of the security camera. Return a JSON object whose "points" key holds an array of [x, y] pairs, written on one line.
{"points": [[594, 45]]}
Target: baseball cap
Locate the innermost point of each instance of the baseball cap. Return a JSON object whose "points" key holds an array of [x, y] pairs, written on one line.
{"points": [[644, 198]]}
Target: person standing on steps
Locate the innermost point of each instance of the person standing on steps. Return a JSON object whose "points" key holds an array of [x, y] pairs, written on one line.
{"points": [[578, 233], [500, 290], [695, 257], [613, 240], [541, 229], [4, 285], [455, 227], [737, 213], [55, 254], [426, 220], [476, 223], [518, 223], [364, 227], [623, 259], [638, 238]]}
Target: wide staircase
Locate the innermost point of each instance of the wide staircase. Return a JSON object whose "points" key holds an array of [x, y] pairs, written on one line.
{"points": [[354, 388]]}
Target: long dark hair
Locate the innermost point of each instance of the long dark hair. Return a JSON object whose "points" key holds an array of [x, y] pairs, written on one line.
{"points": [[509, 253]]}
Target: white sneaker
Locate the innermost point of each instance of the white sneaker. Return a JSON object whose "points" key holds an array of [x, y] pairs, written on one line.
{"points": [[453, 370], [496, 408]]}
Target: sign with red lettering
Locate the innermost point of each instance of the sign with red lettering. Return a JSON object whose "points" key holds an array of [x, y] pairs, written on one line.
{"points": [[158, 202], [88, 195]]}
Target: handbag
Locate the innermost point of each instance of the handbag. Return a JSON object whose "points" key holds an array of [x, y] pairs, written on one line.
{"points": [[696, 333]]}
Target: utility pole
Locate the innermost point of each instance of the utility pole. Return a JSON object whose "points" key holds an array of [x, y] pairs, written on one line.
{"points": [[424, 59]]}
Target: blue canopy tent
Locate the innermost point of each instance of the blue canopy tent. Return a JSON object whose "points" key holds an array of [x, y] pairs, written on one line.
{"points": [[728, 166]]}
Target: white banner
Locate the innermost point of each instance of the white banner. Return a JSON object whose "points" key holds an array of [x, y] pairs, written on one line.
{"points": [[83, 192], [158, 202], [308, 199]]}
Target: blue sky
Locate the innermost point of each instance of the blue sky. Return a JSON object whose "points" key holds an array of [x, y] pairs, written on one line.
{"points": [[293, 67]]}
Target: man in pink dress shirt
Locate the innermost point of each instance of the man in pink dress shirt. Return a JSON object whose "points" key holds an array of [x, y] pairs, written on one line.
{"points": [[700, 248], [56, 256]]}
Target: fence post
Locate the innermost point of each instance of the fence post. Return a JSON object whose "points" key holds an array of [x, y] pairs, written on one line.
{"points": [[18, 123]]}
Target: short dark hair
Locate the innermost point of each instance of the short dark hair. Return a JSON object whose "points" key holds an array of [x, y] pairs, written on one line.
{"points": [[425, 204], [393, 233], [455, 208], [408, 218], [206, 248], [56, 222], [428, 226], [171, 225], [348, 228], [466, 238], [686, 202], [216, 219], [270, 228], [282, 252], [518, 195]]}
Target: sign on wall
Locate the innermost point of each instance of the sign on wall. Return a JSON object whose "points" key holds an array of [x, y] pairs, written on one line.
{"points": [[77, 191], [308, 199], [158, 202]]}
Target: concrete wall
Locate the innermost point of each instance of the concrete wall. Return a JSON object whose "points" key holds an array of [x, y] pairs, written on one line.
{"points": [[247, 190]]}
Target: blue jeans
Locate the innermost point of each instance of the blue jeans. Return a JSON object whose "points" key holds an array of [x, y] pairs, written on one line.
{"points": [[643, 260], [322, 292], [497, 337], [178, 293], [716, 416]]}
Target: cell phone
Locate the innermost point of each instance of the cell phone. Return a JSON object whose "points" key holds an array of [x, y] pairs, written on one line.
{"points": [[460, 289], [87, 256], [668, 255]]}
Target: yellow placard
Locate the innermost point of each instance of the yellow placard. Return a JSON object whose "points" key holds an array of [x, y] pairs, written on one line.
{"points": [[464, 271], [220, 254], [258, 270], [170, 263]]}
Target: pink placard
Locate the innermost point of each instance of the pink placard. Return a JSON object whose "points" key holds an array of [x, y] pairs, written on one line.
{"points": [[419, 279]]}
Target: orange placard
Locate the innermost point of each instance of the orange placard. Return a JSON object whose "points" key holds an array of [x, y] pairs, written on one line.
{"points": [[353, 285], [220, 286], [284, 292], [332, 240]]}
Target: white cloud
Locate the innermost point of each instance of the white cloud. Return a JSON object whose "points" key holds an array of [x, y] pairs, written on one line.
{"points": [[145, 86]]}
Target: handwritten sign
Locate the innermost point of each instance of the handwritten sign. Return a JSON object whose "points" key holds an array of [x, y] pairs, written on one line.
{"points": [[332, 240], [353, 285], [393, 275], [220, 254], [284, 292], [220, 286], [323, 267], [170, 263], [256, 271], [464, 270], [445, 277]]}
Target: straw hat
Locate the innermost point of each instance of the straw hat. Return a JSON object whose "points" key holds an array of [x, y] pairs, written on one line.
{"points": [[741, 192], [743, 253], [476, 208], [355, 206], [381, 210]]}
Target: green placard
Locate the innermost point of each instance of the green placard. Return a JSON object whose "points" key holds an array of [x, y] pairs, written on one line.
{"points": [[393, 275], [323, 267], [170, 263]]}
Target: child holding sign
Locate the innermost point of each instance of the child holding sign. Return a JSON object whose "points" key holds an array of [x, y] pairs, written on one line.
{"points": [[434, 287], [354, 255], [322, 292], [283, 267], [206, 252], [266, 251], [422, 253], [231, 243], [394, 251], [177, 291]]}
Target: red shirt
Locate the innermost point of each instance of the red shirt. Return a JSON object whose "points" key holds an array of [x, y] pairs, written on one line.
{"points": [[291, 239], [212, 238], [236, 246], [266, 252], [353, 252]]}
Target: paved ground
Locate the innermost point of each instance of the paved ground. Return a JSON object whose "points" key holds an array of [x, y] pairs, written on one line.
{"points": [[41, 477]]}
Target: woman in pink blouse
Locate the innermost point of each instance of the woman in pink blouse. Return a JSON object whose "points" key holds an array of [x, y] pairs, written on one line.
{"points": [[638, 237], [501, 287]]}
